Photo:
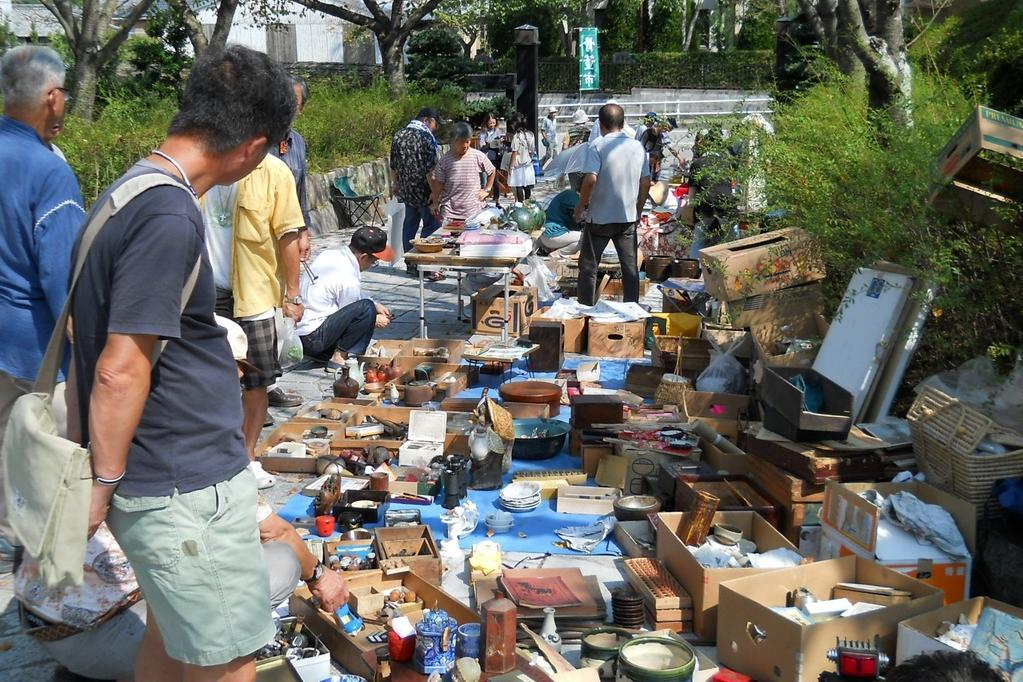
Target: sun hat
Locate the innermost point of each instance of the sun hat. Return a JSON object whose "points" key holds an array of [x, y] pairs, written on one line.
{"points": [[580, 117]]}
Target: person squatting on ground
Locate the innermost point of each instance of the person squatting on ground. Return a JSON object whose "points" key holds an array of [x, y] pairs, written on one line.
{"points": [[339, 319], [614, 190], [172, 481]]}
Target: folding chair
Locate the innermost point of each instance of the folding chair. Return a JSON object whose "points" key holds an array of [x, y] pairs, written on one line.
{"points": [[353, 209]]}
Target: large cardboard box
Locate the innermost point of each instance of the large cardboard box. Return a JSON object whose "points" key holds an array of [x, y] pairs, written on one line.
{"points": [[617, 339], [761, 263], [488, 309], [917, 635], [574, 339], [703, 583], [768, 339], [773, 306], [973, 176], [853, 525], [755, 640]]}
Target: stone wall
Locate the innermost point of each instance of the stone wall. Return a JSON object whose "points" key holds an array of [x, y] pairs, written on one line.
{"points": [[366, 178]]}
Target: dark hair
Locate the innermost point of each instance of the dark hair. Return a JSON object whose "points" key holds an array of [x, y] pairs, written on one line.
{"points": [[300, 82], [233, 95], [612, 117], [944, 666], [516, 122]]}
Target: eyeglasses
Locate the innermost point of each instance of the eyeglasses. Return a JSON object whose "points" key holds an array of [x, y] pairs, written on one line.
{"points": [[67, 93]]}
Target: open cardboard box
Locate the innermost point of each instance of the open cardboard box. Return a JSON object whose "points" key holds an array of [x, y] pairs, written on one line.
{"points": [[574, 338], [805, 326], [703, 583], [413, 348], [313, 413], [852, 525], [761, 263], [349, 650], [917, 635], [757, 641]]}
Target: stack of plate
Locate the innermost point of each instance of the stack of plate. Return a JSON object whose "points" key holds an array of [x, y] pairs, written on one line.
{"points": [[521, 496]]}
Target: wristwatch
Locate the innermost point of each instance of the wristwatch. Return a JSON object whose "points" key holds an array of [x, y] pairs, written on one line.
{"points": [[297, 300], [317, 572]]}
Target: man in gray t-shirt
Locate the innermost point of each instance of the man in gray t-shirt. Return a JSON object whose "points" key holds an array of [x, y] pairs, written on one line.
{"points": [[612, 198]]}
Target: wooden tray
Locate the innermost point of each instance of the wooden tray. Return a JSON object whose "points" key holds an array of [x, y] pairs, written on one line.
{"points": [[658, 588]]}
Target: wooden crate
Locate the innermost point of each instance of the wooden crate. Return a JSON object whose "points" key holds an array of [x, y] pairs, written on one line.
{"points": [[659, 589], [585, 499]]}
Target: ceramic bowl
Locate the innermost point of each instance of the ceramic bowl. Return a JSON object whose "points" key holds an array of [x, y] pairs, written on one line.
{"points": [[520, 491], [603, 643], [657, 659], [357, 534], [499, 521], [636, 507]]}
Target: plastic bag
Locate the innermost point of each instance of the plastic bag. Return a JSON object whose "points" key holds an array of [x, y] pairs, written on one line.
{"points": [[541, 278], [395, 224], [976, 383], [724, 374], [289, 345]]}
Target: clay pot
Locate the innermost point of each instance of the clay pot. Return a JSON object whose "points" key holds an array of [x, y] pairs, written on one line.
{"points": [[345, 386], [418, 392], [658, 268]]}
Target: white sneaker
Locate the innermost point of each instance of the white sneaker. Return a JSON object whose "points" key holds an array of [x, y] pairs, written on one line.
{"points": [[263, 479]]}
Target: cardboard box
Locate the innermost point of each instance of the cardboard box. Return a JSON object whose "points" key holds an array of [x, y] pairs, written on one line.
{"points": [[773, 306], [854, 526], [350, 650], [973, 176], [917, 635], [703, 583], [695, 355], [735, 494], [767, 337], [586, 499], [761, 263], [755, 640], [574, 340], [785, 410], [636, 538], [488, 313], [715, 405], [617, 339]]}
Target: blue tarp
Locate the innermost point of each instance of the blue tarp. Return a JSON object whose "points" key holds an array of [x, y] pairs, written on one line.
{"points": [[538, 525]]}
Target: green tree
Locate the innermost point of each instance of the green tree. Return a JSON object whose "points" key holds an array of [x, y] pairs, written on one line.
{"points": [[160, 60], [435, 57]]}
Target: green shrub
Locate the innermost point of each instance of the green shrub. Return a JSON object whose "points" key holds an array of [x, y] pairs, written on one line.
{"points": [[435, 57], [345, 126], [864, 195]]}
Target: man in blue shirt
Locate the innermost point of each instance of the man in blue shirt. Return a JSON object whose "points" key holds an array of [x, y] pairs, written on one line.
{"points": [[40, 216], [613, 194]]}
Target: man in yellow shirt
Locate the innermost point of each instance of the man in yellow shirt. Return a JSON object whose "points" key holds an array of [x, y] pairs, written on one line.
{"points": [[252, 237]]}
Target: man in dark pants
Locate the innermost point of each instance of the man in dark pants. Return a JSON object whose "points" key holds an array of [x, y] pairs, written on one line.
{"points": [[611, 200], [338, 318], [414, 152]]}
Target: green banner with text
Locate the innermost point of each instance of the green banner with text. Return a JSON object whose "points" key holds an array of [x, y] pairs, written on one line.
{"points": [[589, 59]]}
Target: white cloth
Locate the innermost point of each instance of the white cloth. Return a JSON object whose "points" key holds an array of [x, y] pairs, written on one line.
{"points": [[595, 133], [218, 212], [337, 285]]}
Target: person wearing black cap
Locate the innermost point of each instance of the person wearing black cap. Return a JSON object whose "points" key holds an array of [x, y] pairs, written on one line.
{"points": [[339, 319], [414, 152]]}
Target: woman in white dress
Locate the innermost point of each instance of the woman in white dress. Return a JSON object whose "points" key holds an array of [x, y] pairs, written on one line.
{"points": [[520, 165]]}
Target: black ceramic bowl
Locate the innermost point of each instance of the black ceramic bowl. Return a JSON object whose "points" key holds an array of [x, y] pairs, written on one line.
{"points": [[539, 448]]}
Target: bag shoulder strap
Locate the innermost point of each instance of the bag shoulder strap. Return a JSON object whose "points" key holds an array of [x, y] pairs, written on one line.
{"points": [[118, 198]]}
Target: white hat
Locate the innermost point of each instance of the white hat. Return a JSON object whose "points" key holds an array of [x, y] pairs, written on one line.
{"points": [[611, 101], [580, 117], [237, 340], [552, 110]]}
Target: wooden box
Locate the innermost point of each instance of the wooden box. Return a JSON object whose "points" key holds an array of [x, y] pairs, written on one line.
{"points": [[574, 339], [411, 546], [549, 335], [588, 410], [354, 652], [734, 495]]}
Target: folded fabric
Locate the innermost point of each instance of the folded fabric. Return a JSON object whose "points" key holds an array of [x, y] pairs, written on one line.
{"points": [[489, 237]]}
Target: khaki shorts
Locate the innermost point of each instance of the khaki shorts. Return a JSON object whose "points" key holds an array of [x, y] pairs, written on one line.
{"points": [[198, 560]]}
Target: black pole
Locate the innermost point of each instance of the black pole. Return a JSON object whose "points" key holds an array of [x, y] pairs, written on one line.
{"points": [[527, 76]]}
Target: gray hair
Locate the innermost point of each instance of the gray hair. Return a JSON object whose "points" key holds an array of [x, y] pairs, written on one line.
{"points": [[297, 81], [461, 131], [28, 72]]}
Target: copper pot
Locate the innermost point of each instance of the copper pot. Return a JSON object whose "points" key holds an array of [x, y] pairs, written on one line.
{"points": [[418, 392]]}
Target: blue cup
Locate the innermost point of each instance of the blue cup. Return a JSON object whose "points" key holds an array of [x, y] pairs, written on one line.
{"points": [[468, 644]]}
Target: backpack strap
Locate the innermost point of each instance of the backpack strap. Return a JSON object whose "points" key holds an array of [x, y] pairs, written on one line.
{"points": [[118, 198]]}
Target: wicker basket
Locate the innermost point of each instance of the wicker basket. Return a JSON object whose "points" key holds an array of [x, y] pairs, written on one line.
{"points": [[946, 433]]}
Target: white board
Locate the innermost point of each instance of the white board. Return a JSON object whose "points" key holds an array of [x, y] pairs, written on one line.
{"points": [[863, 332]]}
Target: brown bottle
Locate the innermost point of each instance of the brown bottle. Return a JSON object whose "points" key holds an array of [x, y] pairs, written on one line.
{"points": [[499, 617], [346, 386]]}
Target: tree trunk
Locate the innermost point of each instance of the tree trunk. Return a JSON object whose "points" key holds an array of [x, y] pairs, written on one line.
{"points": [[86, 76], [222, 27], [392, 63]]}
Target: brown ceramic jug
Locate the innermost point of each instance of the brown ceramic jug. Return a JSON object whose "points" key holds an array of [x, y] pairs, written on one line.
{"points": [[345, 386]]}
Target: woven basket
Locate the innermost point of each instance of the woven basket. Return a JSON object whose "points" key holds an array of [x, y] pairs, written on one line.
{"points": [[945, 437], [672, 388]]}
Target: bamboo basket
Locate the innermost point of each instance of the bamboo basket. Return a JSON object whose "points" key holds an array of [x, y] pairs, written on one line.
{"points": [[945, 435], [672, 388]]}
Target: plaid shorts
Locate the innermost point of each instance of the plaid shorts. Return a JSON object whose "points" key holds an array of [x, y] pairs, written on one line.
{"points": [[262, 337]]}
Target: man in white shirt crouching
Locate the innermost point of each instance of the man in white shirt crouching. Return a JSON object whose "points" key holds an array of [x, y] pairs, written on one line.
{"points": [[339, 320]]}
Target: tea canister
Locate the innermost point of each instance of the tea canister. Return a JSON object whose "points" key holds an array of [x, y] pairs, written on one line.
{"points": [[436, 639]]}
